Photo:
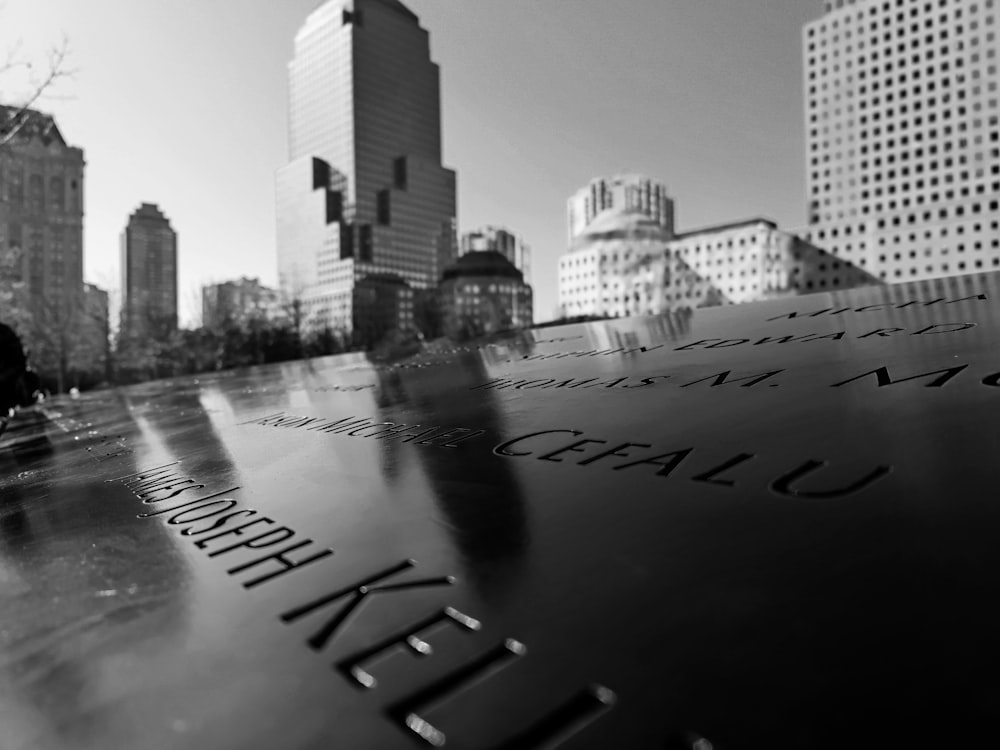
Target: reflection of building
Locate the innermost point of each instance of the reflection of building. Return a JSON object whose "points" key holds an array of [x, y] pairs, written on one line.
{"points": [[627, 264], [632, 193], [903, 165], [236, 302], [41, 210], [482, 292], [364, 191], [500, 240], [149, 273], [96, 323]]}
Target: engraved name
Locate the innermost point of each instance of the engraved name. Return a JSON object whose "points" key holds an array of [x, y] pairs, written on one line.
{"points": [[367, 427], [936, 328], [221, 526], [873, 308], [799, 481]]}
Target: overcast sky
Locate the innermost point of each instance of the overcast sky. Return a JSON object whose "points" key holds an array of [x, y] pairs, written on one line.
{"points": [[183, 103]]}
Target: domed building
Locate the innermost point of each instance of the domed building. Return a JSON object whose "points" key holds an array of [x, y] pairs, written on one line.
{"points": [[483, 292]]}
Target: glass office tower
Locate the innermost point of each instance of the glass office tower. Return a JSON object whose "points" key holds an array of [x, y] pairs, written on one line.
{"points": [[364, 192]]}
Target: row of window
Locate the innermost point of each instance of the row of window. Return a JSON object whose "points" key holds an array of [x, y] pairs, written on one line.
{"points": [[915, 8]]}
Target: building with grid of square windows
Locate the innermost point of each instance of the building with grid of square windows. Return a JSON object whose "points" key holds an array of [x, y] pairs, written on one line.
{"points": [[902, 151]]}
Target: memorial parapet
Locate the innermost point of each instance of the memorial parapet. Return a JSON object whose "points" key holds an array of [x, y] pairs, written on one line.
{"points": [[771, 525]]}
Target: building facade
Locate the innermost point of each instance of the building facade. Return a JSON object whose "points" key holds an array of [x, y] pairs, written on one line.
{"points": [[626, 264], [482, 293], [149, 274], [41, 214], [364, 192], [500, 240], [236, 302], [901, 116], [627, 193]]}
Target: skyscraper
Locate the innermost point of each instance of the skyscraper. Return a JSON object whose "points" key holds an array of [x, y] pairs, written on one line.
{"points": [[364, 193], [149, 274], [902, 152]]}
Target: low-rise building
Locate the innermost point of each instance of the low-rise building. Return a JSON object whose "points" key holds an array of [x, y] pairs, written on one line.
{"points": [[503, 241], [482, 292], [627, 264], [237, 301]]}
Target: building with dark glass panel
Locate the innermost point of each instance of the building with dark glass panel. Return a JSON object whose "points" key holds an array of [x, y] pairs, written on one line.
{"points": [[149, 274], [364, 192], [481, 293]]}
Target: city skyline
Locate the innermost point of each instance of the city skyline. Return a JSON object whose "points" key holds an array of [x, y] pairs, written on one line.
{"points": [[726, 133]]}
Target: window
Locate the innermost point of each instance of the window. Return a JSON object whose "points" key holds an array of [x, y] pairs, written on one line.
{"points": [[382, 212]]}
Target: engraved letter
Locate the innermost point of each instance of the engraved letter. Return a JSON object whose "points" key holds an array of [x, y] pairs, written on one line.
{"points": [[357, 666], [721, 379], [784, 485], [930, 329], [501, 450], [708, 475], [882, 375], [286, 564], [355, 595]]}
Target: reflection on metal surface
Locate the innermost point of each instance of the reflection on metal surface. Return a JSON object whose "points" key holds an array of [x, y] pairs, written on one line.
{"points": [[753, 522]]}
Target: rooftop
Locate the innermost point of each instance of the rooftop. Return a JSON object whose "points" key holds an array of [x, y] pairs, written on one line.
{"points": [[29, 124], [482, 263]]}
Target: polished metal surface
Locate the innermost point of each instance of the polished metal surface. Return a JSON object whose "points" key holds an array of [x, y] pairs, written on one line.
{"points": [[771, 525]]}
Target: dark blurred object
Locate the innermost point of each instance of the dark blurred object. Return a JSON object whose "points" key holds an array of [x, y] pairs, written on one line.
{"points": [[19, 385]]}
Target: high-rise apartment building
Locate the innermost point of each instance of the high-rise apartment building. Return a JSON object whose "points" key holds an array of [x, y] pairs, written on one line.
{"points": [[622, 193], [364, 192], [902, 151], [41, 214], [499, 240], [149, 274]]}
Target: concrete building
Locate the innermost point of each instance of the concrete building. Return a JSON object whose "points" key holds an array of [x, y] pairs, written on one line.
{"points": [[901, 116], [626, 264], [500, 240], [483, 292], [41, 213], [237, 301], [633, 193], [364, 192], [149, 274]]}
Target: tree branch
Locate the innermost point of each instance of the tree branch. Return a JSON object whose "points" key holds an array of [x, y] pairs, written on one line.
{"points": [[55, 70]]}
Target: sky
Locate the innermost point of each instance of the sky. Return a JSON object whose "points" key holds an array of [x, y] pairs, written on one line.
{"points": [[183, 103]]}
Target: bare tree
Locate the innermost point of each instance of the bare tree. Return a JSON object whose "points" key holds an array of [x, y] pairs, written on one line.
{"points": [[40, 80]]}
